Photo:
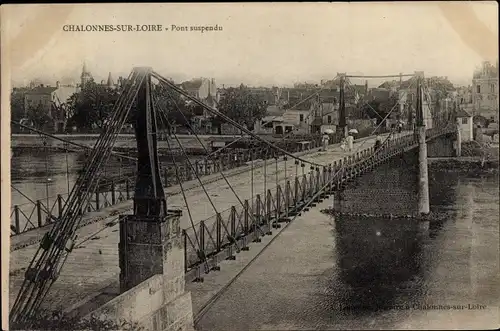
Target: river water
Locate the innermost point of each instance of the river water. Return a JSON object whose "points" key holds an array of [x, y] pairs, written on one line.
{"points": [[377, 273], [40, 175], [34, 173]]}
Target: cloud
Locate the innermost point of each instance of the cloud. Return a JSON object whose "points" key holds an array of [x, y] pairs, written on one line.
{"points": [[260, 44]]}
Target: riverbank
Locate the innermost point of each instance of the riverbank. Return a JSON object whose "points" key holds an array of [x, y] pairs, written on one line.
{"points": [[433, 216], [472, 165], [123, 143]]}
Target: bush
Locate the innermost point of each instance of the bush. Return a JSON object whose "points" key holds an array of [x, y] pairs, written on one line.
{"points": [[61, 321]]}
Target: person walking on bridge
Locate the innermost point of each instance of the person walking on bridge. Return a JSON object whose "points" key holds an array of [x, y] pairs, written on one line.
{"points": [[350, 142], [343, 144], [378, 143], [400, 127]]}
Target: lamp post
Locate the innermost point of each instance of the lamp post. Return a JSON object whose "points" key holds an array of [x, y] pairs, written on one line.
{"points": [[48, 179]]}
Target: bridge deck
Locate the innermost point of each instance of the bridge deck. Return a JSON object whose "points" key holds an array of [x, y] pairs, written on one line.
{"points": [[93, 265]]}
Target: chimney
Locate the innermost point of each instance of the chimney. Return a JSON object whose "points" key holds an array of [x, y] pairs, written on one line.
{"points": [[58, 85]]}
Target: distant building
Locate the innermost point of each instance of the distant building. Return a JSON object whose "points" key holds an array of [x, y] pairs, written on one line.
{"points": [[203, 89], [271, 96], [280, 121], [380, 94], [464, 95], [110, 83], [485, 91], [465, 125], [408, 105], [52, 99], [85, 76]]}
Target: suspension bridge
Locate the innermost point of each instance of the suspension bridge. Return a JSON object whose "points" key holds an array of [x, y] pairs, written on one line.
{"points": [[147, 236]]}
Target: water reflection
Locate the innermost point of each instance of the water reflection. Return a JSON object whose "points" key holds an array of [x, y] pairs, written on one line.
{"points": [[36, 173], [381, 263], [378, 260], [443, 198]]}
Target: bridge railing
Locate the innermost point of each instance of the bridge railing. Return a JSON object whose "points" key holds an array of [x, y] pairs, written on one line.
{"points": [[39, 213], [232, 230], [229, 231], [246, 221], [43, 212]]}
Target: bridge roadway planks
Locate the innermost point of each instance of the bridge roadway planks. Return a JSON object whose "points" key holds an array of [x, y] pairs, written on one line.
{"points": [[93, 265]]}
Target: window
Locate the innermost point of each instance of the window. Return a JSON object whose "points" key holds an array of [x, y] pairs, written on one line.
{"points": [[301, 117], [464, 120], [492, 88], [329, 119], [479, 89]]}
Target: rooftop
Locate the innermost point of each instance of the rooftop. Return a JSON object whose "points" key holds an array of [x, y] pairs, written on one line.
{"points": [[192, 84], [462, 113], [42, 90], [274, 111]]}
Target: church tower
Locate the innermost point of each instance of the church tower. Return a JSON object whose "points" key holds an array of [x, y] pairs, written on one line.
{"points": [[110, 83], [86, 76]]}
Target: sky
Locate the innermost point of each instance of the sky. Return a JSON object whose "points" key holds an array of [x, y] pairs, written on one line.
{"points": [[260, 44]]}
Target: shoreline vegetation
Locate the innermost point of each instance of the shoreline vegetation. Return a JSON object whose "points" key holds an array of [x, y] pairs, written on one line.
{"points": [[475, 166], [431, 217], [56, 320], [470, 165]]}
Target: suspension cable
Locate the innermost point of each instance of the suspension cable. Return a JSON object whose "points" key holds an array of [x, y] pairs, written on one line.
{"points": [[380, 76], [54, 248], [206, 306], [194, 171], [101, 151], [206, 151], [348, 85], [162, 112], [185, 198], [223, 116]]}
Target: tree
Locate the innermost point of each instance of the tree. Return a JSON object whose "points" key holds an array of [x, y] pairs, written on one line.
{"points": [[39, 116], [56, 320], [441, 85], [177, 108], [380, 109], [242, 106], [91, 106], [17, 104]]}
